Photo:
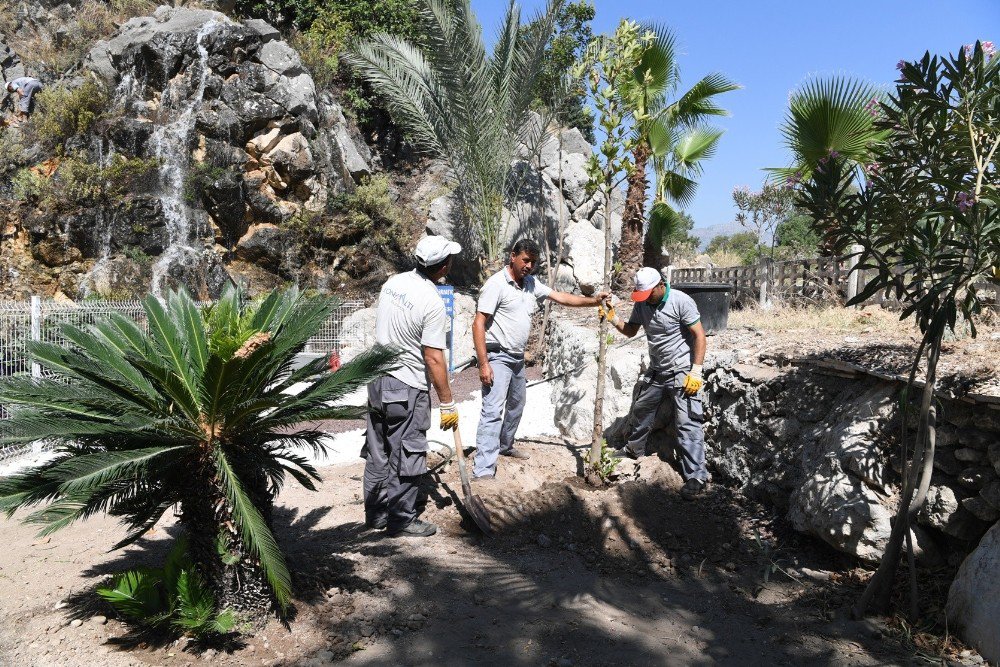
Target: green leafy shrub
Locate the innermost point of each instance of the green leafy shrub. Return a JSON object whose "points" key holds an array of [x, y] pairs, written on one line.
{"points": [[66, 112], [172, 598], [80, 183]]}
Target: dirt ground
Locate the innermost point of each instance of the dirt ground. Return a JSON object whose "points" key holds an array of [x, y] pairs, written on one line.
{"points": [[630, 574]]}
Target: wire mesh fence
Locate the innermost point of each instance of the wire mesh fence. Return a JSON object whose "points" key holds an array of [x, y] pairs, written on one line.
{"points": [[42, 320]]}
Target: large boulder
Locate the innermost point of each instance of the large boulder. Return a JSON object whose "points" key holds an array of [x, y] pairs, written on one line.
{"points": [[974, 598], [571, 355], [584, 248]]}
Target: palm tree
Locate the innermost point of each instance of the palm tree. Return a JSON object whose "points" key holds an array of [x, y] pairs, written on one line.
{"points": [[461, 104], [826, 117], [196, 412], [671, 134]]}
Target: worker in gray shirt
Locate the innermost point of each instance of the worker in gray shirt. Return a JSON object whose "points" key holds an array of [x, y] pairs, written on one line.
{"points": [[500, 331], [25, 88], [410, 317], [676, 341]]}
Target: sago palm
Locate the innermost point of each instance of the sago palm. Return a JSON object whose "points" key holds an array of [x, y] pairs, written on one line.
{"points": [[671, 133], [197, 413], [461, 104]]}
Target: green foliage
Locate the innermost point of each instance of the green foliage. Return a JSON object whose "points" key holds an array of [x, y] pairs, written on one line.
{"points": [[761, 211], [794, 237], [193, 411], [918, 190], [459, 103], [606, 464], [173, 598], [835, 116], [64, 112], [571, 37], [671, 136], [743, 245], [80, 183]]}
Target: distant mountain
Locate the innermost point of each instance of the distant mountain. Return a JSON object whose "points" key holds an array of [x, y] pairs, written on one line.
{"points": [[706, 234]]}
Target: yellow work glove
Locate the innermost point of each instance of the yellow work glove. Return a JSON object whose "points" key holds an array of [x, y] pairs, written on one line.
{"points": [[449, 416], [609, 313], [694, 381]]}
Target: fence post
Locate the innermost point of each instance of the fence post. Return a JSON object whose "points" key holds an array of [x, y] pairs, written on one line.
{"points": [[765, 265], [36, 332], [853, 273], [670, 273]]}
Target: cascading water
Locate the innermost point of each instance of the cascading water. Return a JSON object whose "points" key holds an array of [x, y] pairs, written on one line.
{"points": [[170, 145], [104, 157]]}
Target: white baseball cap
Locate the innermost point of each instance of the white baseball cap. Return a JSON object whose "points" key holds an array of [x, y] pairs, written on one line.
{"points": [[433, 249], [646, 279]]}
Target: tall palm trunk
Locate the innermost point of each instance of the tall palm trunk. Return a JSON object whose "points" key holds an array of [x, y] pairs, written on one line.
{"points": [[231, 571], [630, 250]]}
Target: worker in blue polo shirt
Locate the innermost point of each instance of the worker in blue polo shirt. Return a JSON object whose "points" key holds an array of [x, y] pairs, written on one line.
{"points": [[500, 330], [676, 341]]}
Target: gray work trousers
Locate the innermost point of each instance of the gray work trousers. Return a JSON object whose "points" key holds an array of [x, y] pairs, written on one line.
{"points": [[395, 450], [652, 390], [496, 425], [26, 103]]}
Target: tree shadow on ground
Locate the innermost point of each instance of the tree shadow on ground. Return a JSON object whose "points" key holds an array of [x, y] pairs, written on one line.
{"points": [[595, 591]]}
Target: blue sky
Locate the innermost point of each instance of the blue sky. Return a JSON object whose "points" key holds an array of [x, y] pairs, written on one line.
{"points": [[770, 47]]}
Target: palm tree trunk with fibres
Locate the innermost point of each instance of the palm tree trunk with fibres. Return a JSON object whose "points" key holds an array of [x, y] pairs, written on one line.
{"points": [[631, 248]]}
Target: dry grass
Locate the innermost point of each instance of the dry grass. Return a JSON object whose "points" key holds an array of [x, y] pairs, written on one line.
{"points": [[783, 318], [93, 19]]}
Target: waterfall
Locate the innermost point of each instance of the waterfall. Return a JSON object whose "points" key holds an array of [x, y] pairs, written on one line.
{"points": [[104, 157], [170, 145]]}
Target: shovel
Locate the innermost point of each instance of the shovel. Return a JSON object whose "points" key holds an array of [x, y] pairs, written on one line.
{"points": [[473, 504]]}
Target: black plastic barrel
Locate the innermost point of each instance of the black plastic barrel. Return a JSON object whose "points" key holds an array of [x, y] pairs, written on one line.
{"points": [[712, 300]]}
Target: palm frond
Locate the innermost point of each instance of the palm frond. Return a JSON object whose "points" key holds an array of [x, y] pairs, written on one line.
{"points": [[255, 532]]}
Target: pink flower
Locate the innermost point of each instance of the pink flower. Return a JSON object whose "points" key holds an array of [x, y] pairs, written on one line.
{"points": [[900, 65], [965, 201]]}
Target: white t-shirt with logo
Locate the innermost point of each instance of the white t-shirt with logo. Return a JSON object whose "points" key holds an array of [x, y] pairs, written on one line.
{"points": [[510, 309], [410, 315]]}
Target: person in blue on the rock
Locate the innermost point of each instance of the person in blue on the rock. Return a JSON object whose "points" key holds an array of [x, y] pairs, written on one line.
{"points": [[677, 343], [25, 88]]}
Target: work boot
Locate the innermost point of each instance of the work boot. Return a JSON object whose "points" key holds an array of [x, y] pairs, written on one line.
{"points": [[484, 479], [516, 454], [416, 528], [378, 523], [693, 488], [624, 453]]}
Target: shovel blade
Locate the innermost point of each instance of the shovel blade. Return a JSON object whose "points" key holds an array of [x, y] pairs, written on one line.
{"points": [[479, 513]]}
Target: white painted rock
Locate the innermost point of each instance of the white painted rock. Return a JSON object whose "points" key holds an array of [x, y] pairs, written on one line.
{"points": [[974, 599]]}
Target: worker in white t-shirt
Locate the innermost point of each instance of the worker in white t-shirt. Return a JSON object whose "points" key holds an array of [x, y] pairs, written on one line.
{"points": [[410, 316], [507, 302]]}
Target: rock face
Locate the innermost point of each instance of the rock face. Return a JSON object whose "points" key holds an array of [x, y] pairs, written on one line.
{"points": [[551, 198], [811, 445], [974, 598], [247, 153]]}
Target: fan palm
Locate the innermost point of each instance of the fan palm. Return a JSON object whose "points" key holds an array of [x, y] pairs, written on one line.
{"points": [[198, 413], [461, 104], [672, 134], [830, 116]]}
